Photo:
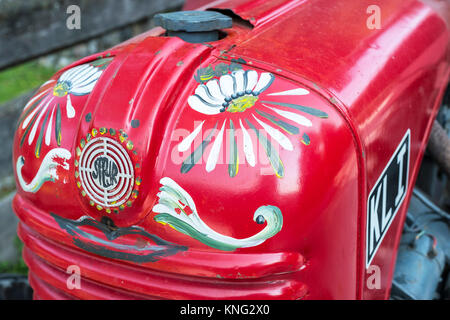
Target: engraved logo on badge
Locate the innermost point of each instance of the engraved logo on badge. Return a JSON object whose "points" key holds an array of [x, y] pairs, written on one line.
{"points": [[106, 172]]}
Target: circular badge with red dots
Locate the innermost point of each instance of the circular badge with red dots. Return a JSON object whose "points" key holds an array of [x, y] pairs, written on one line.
{"points": [[105, 171]]}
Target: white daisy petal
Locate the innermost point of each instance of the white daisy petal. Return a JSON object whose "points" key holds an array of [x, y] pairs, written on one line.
{"points": [[31, 115], [203, 92], [187, 142], [227, 85], [252, 80], [94, 76], [277, 135], [36, 124], [36, 98], [80, 91], [294, 92], [48, 82], [67, 75], [81, 74], [69, 108], [240, 81], [48, 133], [264, 82], [214, 89], [301, 120], [199, 105], [215, 150], [248, 146]]}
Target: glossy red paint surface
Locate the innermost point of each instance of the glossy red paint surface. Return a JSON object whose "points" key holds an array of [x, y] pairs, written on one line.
{"points": [[373, 85]]}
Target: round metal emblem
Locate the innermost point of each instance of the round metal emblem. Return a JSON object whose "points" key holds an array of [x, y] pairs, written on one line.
{"points": [[106, 172]]}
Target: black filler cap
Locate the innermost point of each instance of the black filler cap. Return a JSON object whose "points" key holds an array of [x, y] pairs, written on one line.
{"points": [[194, 26]]}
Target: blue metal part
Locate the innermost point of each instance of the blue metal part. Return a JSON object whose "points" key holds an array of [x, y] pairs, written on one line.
{"points": [[423, 251], [193, 21], [194, 26], [419, 268]]}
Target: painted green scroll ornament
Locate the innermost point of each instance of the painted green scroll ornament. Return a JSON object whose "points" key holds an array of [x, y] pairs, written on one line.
{"points": [[177, 209], [47, 171]]}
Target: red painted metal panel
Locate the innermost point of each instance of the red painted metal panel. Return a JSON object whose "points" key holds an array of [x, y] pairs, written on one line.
{"points": [[236, 169], [193, 276]]}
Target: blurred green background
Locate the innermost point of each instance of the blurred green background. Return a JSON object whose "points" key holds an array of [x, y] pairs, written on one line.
{"points": [[22, 78], [14, 82]]}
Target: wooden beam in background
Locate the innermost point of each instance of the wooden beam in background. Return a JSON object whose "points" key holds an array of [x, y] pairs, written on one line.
{"points": [[32, 28]]}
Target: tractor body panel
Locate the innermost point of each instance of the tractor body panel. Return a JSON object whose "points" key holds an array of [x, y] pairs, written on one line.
{"points": [[238, 169]]}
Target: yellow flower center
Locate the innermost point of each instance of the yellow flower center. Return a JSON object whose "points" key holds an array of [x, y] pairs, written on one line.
{"points": [[61, 89], [242, 103]]}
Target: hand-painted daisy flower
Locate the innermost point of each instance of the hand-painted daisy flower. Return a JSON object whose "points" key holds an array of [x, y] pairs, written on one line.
{"points": [[42, 115], [239, 102], [234, 92]]}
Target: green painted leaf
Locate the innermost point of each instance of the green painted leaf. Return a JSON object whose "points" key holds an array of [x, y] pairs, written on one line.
{"points": [[306, 140], [280, 123], [58, 126], [233, 166], [101, 63], [37, 152], [204, 74], [312, 111], [30, 125], [29, 110], [195, 156], [187, 229], [271, 153]]}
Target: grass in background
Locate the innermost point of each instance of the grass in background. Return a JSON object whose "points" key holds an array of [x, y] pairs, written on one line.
{"points": [[18, 267], [22, 78]]}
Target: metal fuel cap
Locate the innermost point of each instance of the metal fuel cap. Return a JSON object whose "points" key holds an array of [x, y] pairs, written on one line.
{"points": [[194, 26]]}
